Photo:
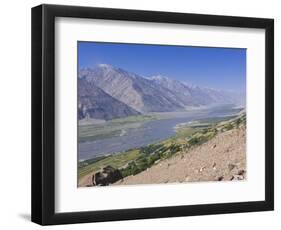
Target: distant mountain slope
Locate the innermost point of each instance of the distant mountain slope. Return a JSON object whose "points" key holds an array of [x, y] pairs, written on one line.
{"points": [[135, 91], [180, 91], [194, 95], [155, 94], [95, 103]]}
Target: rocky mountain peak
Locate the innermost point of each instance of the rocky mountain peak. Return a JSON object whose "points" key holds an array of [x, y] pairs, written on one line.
{"points": [[106, 66]]}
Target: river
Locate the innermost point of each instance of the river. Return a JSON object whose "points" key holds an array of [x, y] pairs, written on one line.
{"points": [[148, 132]]}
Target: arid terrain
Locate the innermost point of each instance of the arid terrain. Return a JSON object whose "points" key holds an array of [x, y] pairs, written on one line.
{"points": [[213, 153], [221, 158]]}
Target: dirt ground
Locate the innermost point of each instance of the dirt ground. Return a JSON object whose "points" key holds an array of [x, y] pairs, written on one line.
{"points": [[223, 158]]}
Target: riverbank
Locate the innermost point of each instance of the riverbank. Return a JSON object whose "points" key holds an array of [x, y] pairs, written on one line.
{"points": [[136, 161], [222, 158], [119, 135]]}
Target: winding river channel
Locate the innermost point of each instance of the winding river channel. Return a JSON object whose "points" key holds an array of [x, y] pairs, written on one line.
{"points": [[148, 132]]}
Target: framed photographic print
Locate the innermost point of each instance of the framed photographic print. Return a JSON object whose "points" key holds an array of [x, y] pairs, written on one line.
{"points": [[142, 114]]}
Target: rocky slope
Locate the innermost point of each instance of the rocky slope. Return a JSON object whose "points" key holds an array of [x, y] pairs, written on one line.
{"points": [[221, 158], [193, 95], [95, 103], [131, 89]]}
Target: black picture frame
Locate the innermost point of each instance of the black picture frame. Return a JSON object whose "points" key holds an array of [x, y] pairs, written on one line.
{"points": [[43, 114]]}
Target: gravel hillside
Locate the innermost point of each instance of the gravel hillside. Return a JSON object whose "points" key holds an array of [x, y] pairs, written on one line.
{"points": [[222, 158]]}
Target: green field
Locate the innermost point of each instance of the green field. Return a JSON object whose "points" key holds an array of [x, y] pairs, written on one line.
{"points": [[111, 128], [116, 161]]}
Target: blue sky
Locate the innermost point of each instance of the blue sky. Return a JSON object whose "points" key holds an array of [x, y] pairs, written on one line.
{"points": [[220, 68]]}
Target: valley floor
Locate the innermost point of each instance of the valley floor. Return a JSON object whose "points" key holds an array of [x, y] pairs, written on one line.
{"points": [[222, 158], [214, 151]]}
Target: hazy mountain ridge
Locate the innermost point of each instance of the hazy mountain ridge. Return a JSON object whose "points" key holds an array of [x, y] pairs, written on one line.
{"points": [[136, 94], [135, 91], [95, 103], [195, 95]]}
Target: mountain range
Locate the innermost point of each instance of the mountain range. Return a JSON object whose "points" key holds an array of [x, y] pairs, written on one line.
{"points": [[107, 92], [95, 103]]}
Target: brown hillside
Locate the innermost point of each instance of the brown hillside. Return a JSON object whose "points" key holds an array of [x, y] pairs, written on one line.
{"points": [[221, 158]]}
